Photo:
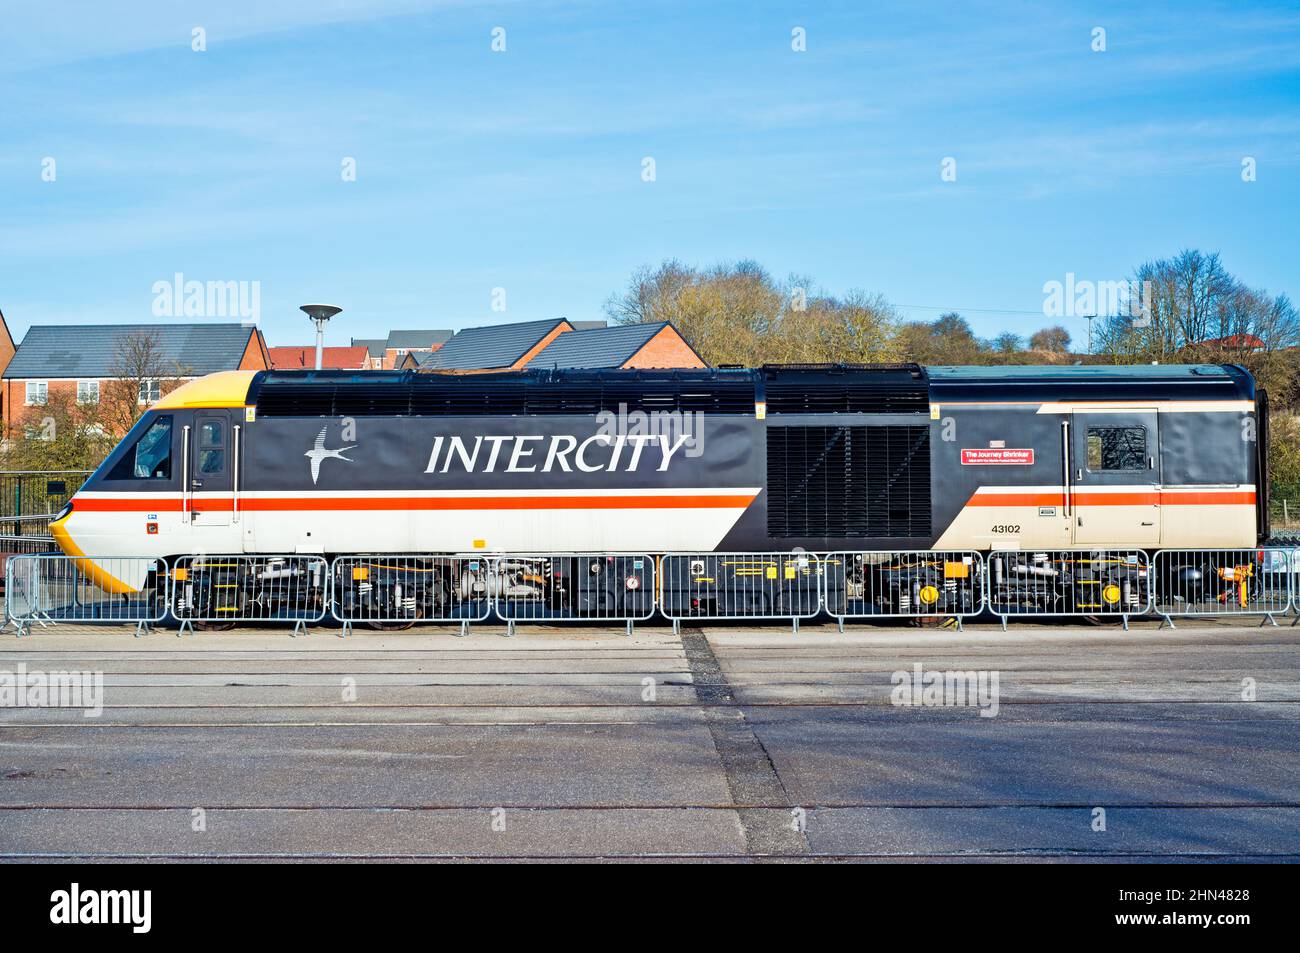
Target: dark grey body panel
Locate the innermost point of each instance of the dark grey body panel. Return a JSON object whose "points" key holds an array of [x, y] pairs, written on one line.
{"points": [[391, 453]]}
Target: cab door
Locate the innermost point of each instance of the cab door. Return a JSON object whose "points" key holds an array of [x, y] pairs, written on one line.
{"points": [[210, 470], [1115, 478]]}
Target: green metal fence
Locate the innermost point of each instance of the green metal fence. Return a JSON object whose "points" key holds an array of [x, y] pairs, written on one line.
{"points": [[37, 492]]}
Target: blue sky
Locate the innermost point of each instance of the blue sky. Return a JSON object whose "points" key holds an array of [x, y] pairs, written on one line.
{"points": [[522, 170]]}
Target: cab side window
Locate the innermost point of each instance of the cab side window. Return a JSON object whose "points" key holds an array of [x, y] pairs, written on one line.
{"points": [[1117, 448], [150, 458], [212, 454]]}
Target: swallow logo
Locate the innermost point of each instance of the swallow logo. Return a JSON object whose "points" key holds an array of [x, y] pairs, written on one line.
{"points": [[318, 453]]}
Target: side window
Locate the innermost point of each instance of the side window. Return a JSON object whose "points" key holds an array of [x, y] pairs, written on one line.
{"points": [[1117, 448], [212, 454], [151, 457]]}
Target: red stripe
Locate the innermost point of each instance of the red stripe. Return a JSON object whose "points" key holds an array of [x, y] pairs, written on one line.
{"points": [[1146, 498], [131, 504]]}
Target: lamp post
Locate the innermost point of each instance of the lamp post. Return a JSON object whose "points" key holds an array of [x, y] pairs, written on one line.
{"points": [[320, 315]]}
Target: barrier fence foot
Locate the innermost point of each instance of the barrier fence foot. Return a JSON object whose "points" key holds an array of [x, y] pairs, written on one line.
{"points": [[185, 624], [1124, 619], [1166, 619], [510, 628], [960, 627], [1003, 619], [1295, 620], [21, 629], [841, 622], [677, 626], [142, 628], [1268, 617], [629, 628], [794, 626], [299, 624], [346, 630], [464, 629]]}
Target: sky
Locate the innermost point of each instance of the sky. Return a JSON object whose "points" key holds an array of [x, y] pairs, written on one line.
{"points": [[518, 178]]}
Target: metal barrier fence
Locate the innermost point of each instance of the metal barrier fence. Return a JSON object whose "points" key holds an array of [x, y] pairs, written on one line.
{"points": [[22, 527], [563, 587], [216, 590], [397, 591], [1098, 583], [27, 545], [394, 592], [739, 586], [1225, 582], [37, 492], [903, 584], [49, 588]]}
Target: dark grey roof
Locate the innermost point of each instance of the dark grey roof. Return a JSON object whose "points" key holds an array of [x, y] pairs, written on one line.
{"points": [[498, 345], [597, 347], [374, 346], [90, 350], [418, 339]]}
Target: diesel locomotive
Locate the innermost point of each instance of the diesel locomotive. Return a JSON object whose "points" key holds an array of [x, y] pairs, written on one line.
{"points": [[822, 459]]}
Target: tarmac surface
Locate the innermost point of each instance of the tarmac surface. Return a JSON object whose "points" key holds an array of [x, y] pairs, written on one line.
{"points": [[717, 743]]}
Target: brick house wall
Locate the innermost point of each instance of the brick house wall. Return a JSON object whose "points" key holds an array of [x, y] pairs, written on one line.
{"points": [[18, 413], [665, 349]]}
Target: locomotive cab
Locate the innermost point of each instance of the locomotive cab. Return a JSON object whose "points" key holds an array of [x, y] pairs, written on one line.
{"points": [[167, 488]]}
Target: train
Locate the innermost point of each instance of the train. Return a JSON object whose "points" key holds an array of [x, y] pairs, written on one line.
{"points": [[1088, 460]]}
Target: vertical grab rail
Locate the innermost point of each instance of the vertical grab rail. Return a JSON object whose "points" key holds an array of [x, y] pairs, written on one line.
{"points": [[1065, 458], [186, 489], [234, 476]]}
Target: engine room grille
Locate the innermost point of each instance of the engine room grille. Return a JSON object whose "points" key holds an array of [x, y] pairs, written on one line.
{"points": [[848, 482]]}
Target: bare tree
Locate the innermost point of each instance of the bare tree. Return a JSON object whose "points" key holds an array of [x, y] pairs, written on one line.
{"points": [[139, 374], [1055, 339]]}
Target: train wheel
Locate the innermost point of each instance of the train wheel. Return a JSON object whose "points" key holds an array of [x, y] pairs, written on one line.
{"points": [[929, 621], [390, 626], [214, 626]]}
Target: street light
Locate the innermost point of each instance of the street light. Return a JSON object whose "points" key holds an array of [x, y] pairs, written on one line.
{"points": [[320, 315]]}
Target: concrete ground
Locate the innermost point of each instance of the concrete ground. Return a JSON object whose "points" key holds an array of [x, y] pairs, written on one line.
{"points": [[718, 743]]}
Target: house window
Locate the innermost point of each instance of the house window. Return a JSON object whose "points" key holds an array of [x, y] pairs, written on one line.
{"points": [[1117, 448], [88, 392], [37, 392], [150, 392]]}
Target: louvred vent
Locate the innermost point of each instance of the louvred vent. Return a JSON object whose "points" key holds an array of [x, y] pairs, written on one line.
{"points": [[848, 482], [472, 395], [839, 389]]}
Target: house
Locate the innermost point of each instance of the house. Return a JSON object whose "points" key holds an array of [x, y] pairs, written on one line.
{"points": [[562, 343], [625, 345], [80, 361], [497, 346], [1234, 342], [375, 348], [356, 358], [6, 343], [390, 352]]}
